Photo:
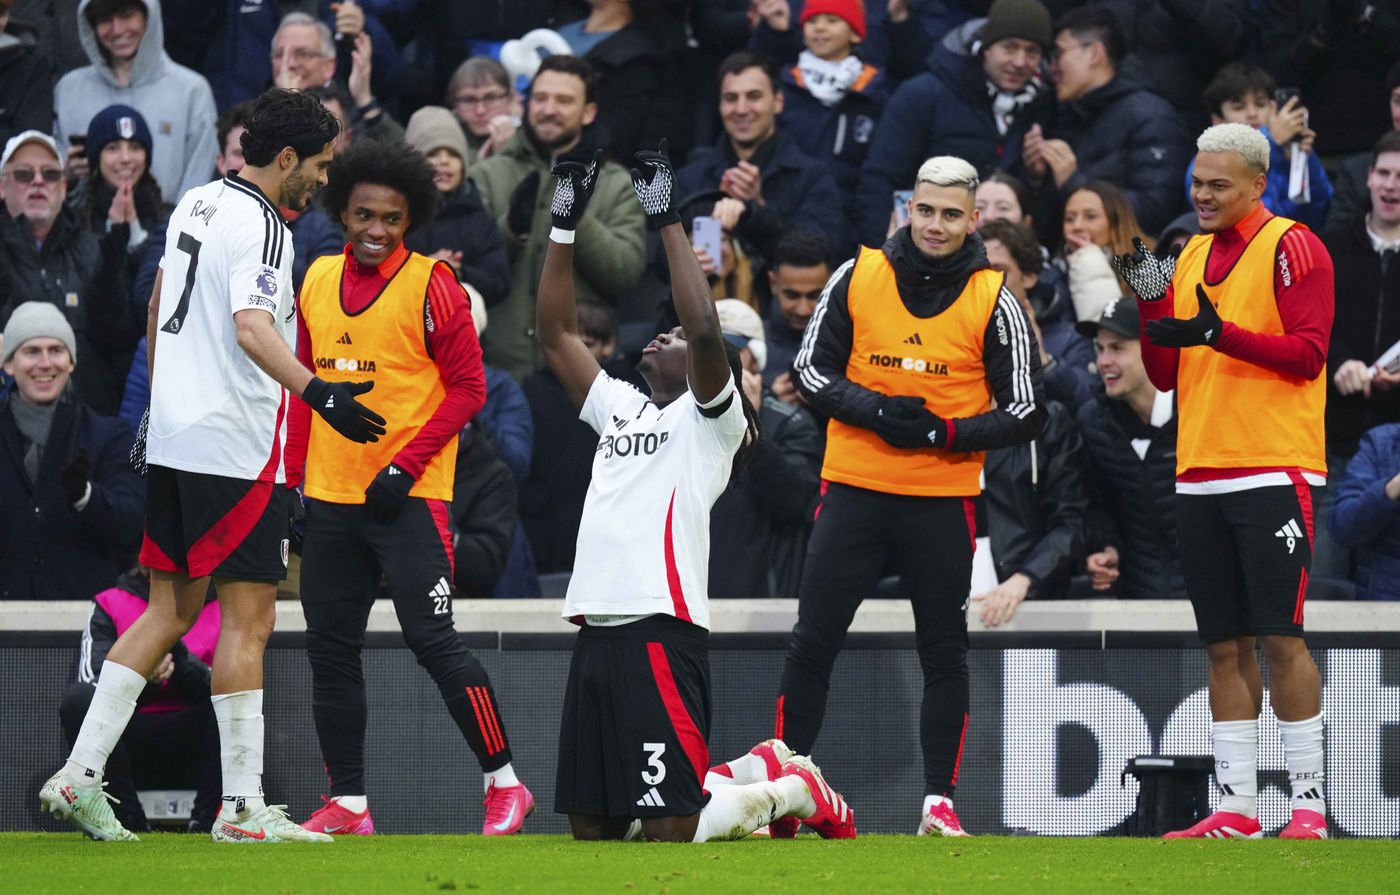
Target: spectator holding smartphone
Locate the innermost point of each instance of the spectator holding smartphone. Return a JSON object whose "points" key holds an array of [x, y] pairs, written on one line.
{"points": [[1245, 94]]}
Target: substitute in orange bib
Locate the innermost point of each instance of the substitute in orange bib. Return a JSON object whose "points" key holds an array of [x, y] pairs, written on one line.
{"points": [[923, 360], [383, 312], [1239, 328]]}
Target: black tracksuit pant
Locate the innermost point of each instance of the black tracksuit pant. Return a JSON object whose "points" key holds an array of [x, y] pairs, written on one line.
{"points": [[344, 554], [857, 533]]}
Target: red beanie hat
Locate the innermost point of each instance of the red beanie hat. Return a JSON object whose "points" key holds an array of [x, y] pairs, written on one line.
{"points": [[852, 12]]}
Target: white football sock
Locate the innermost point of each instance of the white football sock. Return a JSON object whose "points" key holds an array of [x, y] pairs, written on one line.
{"points": [[357, 804], [734, 812], [1302, 752], [747, 768], [503, 777], [240, 720], [931, 800], [118, 688], [1236, 745]]}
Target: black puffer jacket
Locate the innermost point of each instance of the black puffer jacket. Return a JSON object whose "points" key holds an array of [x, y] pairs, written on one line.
{"points": [[1133, 504], [640, 94], [464, 225], [1125, 134], [1037, 505], [91, 287]]}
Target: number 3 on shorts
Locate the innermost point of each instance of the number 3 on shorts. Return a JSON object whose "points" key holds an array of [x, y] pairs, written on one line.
{"points": [[654, 752]]}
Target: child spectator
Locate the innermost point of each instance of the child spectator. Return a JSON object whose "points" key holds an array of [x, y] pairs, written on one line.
{"points": [[832, 99], [1244, 94]]}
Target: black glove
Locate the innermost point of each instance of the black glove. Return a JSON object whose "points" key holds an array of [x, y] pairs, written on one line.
{"points": [[1145, 272], [137, 457], [74, 477], [653, 179], [296, 521], [1173, 332], [385, 495], [572, 190], [336, 403], [522, 204], [904, 422]]}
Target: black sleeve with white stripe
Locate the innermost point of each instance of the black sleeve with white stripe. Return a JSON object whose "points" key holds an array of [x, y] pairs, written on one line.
{"points": [[819, 371], [1012, 361], [99, 635]]}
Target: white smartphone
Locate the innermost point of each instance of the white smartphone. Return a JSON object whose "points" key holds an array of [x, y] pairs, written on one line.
{"points": [[901, 207], [707, 235]]}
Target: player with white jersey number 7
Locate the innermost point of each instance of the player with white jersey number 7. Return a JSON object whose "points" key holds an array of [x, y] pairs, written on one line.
{"points": [[220, 324]]}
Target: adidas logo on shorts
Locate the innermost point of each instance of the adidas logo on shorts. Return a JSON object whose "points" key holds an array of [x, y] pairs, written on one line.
{"points": [[1291, 532], [652, 799]]}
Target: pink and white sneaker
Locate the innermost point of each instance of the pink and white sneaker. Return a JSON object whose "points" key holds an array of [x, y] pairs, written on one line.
{"points": [[1305, 824], [337, 820], [941, 820], [1221, 825], [506, 809]]}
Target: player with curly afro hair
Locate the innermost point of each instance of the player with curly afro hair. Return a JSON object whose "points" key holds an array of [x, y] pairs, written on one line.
{"points": [[396, 166], [381, 312]]}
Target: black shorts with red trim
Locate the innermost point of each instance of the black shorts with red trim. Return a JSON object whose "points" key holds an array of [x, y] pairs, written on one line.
{"points": [[1246, 556], [633, 740], [215, 525]]}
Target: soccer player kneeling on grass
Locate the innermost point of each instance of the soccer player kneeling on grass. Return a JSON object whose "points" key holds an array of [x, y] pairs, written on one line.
{"points": [[379, 310], [632, 741]]}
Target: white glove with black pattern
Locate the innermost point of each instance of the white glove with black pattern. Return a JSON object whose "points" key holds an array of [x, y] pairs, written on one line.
{"points": [[1145, 272]]}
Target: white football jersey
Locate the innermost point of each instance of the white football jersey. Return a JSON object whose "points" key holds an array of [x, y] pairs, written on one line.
{"points": [[644, 540], [213, 410]]}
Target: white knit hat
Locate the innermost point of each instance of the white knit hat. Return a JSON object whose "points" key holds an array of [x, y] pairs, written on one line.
{"points": [[36, 320]]}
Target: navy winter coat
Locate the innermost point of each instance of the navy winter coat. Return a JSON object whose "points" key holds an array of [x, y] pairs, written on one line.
{"points": [[463, 224], [840, 134], [48, 550], [1364, 518]]}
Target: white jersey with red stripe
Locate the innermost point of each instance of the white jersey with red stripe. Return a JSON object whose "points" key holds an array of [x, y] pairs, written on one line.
{"points": [[213, 410], [644, 540]]}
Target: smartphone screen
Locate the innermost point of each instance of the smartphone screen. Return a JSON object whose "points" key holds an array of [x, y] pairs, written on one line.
{"points": [[901, 207], [707, 235]]}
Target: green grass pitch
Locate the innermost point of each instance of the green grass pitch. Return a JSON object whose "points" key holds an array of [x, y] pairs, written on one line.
{"points": [[870, 865]]}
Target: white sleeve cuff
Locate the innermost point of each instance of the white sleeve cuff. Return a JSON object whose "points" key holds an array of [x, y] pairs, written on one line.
{"points": [[563, 237]]}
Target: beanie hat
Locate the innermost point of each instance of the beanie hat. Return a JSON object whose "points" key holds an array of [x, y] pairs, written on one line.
{"points": [[1026, 19], [118, 123], [852, 12], [36, 320], [432, 128]]}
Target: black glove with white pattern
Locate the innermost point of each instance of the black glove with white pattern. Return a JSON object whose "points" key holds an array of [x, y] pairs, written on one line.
{"points": [[654, 180], [573, 188], [1145, 272], [137, 457]]}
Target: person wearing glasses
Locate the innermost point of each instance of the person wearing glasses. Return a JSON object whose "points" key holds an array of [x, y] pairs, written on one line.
{"points": [[55, 259], [1109, 126], [488, 108]]}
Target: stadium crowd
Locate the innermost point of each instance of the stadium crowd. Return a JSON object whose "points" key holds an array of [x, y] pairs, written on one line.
{"points": [[798, 129]]}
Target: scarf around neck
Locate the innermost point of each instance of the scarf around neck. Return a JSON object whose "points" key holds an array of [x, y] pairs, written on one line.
{"points": [[34, 422], [827, 81]]}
